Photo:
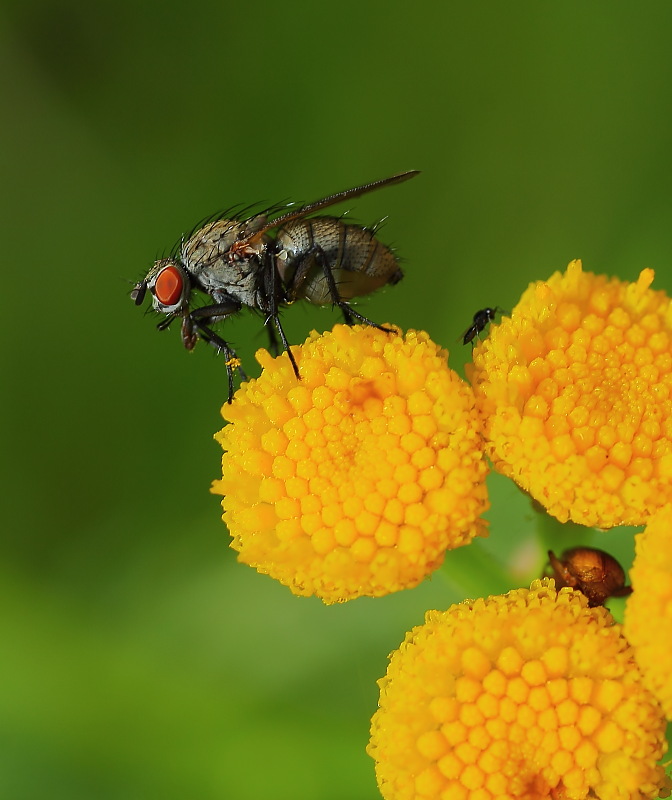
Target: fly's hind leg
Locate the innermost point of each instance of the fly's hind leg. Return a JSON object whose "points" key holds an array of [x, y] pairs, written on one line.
{"points": [[316, 255]]}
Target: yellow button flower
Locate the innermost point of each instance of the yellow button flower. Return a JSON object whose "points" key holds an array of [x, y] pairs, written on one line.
{"points": [[648, 613], [576, 393], [357, 478], [529, 695]]}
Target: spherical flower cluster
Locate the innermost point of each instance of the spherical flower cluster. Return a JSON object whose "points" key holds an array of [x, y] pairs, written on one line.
{"points": [[529, 695], [576, 395], [355, 479], [648, 613]]}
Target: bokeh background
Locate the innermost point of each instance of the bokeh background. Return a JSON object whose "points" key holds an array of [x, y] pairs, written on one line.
{"points": [[138, 660]]}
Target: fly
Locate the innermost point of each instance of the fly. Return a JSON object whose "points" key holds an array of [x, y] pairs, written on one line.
{"points": [[239, 263]]}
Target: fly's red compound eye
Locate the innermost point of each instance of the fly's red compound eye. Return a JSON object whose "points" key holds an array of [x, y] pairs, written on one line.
{"points": [[169, 285]]}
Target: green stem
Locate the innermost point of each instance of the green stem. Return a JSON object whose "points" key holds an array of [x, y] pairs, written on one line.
{"points": [[474, 572], [559, 536]]}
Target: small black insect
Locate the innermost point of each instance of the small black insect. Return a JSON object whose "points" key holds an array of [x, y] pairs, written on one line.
{"points": [[238, 263], [481, 319]]}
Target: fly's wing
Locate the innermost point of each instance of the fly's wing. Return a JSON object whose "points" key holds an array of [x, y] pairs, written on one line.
{"points": [[339, 197]]}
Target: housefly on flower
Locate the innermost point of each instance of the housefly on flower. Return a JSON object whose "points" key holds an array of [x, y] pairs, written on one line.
{"points": [[265, 262]]}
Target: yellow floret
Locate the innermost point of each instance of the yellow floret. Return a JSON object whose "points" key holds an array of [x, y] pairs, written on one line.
{"points": [[576, 395], [648, 613], [529, 695], [355, 479]]}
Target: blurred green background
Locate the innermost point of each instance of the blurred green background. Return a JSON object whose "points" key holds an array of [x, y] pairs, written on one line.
{"points": [[139, 660]]}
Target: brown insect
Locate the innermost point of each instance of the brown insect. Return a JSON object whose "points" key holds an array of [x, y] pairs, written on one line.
{"points": [[237, 263], [593, 572]]}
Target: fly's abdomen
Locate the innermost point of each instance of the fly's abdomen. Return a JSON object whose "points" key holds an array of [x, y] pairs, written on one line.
{"points": [[358, 262]]}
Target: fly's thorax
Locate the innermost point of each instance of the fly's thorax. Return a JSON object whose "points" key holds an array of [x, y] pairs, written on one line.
{"points": [[358, 261], [225, 259], [214, 240]]}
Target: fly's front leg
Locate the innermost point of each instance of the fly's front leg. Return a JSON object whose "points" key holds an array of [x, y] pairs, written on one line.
{"points": [[197, 324], [189, 335], [165, 323]]}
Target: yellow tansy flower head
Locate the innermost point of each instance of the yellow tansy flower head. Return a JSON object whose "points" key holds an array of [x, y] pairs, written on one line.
{"points": [[529, 695], [357, 478], [575, 389], [648, 613]]}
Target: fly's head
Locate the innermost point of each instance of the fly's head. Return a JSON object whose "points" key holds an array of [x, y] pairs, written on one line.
{"points": [[170, 288]]}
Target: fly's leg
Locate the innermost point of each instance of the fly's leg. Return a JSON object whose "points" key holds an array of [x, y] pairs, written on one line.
{"points": [[285, 343], [273, 344], [208, 335], [272, 304], [165, 323], [274, 296], [197, 324], [347, 311], [316, 255]]}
